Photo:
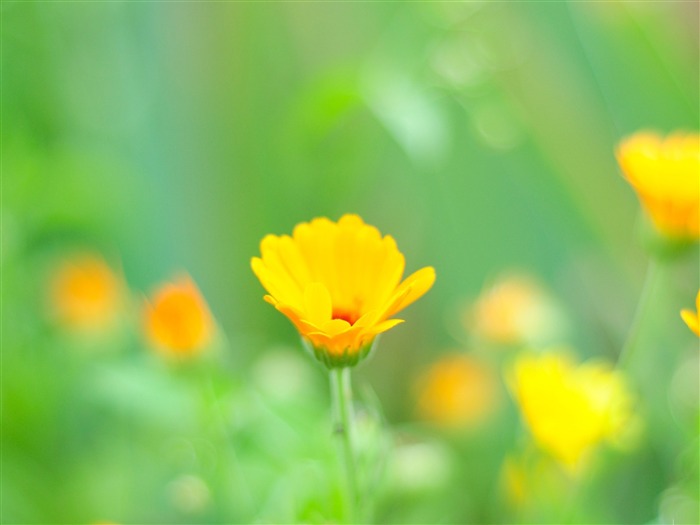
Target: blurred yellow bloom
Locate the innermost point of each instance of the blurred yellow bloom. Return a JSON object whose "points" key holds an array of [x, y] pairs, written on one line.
{"points": [[665, 173], [691, 318], [514, 480], [569, 408], [515, 310], [339, 283], [177, 319], [457, 391], [85, 294], [531, 482]]}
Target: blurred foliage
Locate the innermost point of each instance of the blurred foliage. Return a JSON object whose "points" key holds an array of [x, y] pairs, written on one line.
{"points": [[171, 136]]}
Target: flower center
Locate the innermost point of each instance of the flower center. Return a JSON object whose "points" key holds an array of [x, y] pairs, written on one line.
{"points": [[345, 315]]}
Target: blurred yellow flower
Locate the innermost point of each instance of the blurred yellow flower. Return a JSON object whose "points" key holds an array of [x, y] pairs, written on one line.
{"points": [[515, 310], [514, 480], [339, 283], [177, 319], [691, 318], [457, 391], [665, 173], [85, 294], [569, 408], [531, 482]]}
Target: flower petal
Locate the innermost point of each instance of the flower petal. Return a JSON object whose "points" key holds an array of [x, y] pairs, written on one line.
{"points": [[691, 319], [317, 304], [279, 286], [290, 255], [417, 284], [314, 241], [387, 274], [382, 327], [336, 326]]}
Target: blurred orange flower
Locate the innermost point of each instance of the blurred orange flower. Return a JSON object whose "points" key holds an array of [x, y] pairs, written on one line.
{"points": [[691, 318], [665, 173], [570, 408], [339, 283], [515, 310], [457, 391], [85, 294], [177, 319]]}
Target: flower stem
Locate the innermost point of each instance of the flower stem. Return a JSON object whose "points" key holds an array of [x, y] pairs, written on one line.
{"points": [[642, 305], [344, 430]]}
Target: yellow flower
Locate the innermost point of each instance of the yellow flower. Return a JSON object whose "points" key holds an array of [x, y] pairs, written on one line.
{"points": [[339, 283], [514, 480], [515, 310], [691, 318], [665, 173], [457, 391], [177, 319], [569, 408], [85, 294]]}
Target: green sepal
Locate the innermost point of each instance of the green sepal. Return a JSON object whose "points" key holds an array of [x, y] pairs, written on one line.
{"points": [[345, 360], [663, 247]]}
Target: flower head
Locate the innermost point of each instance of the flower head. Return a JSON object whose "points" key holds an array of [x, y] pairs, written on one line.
{"points": [[339, 283], [458, 391], [665, 173], [569, 408], [85, 294], [516, 309], [177, 319], [691, 318]]}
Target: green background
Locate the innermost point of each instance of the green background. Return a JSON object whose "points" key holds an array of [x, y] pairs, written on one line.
{"points": [[172, 136]]}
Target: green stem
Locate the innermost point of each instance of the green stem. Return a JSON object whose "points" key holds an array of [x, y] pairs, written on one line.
{"points": [[344, 430], [642, 305]]}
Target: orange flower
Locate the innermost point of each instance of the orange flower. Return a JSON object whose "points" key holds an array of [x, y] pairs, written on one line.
{"points": [[665, 173], [457, 391], [178, 320], [85, 294], [691, 318], [339, 283]]}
